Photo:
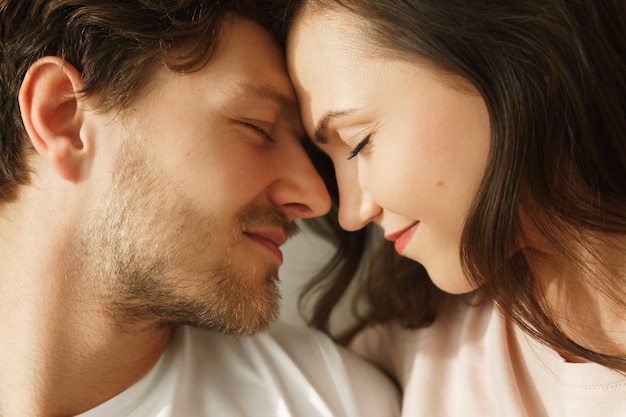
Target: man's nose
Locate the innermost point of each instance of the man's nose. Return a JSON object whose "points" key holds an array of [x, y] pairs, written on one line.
{"points": [[300, 192]]}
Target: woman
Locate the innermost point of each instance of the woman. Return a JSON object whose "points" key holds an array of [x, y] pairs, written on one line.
{"points": [[487, 139]]}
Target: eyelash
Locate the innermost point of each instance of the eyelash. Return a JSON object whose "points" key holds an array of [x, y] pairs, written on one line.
{"points": [[260, 130], [359, 147]]}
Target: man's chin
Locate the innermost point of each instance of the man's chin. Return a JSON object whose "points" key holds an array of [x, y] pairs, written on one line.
{"points": [[250, 311]]}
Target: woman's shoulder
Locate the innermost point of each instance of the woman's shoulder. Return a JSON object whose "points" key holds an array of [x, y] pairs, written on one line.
{"points": [[460, 320], [455, 313]]}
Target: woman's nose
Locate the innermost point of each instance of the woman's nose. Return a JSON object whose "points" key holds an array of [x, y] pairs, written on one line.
{"points": [[356, 207]]}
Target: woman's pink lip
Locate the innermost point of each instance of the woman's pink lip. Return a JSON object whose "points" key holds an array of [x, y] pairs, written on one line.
{"points": [[402, 237], [392, 237]]}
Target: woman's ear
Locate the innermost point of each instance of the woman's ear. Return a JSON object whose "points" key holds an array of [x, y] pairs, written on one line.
{"points": [[52, 116]]}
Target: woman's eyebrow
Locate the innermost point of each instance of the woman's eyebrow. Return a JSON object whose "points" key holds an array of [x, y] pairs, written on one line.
{"points": [[320, 136]]}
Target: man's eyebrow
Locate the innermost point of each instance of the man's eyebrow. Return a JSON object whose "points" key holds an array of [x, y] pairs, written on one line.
{"points": [[320, 132], [288, 107]]}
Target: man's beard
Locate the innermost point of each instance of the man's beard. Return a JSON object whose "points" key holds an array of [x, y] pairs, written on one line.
{"points": [[163, 263]]}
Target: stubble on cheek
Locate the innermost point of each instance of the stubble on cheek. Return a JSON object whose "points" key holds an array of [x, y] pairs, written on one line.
{"points": [[160, 263]]}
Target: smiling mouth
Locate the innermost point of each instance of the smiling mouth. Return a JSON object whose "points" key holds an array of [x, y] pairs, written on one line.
{"points": [[402, 238]]}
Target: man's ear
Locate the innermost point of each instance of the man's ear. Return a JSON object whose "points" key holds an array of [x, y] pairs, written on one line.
{"points": [[52, 116]]}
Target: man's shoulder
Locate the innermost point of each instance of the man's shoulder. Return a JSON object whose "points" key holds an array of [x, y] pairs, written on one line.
{"points": [[282, 346], [298, 365], [278, 342]]}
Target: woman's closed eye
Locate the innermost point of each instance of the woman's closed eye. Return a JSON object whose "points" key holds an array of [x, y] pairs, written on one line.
{"points": [[359, 147]]}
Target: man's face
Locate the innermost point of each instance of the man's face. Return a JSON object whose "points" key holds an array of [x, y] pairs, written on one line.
{"points": [[208, 176]]}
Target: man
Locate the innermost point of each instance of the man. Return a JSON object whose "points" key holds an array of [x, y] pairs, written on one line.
{"points": [[151, 168]]}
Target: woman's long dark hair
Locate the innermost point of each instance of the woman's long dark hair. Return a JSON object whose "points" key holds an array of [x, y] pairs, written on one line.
{"points": [[553, 77]]}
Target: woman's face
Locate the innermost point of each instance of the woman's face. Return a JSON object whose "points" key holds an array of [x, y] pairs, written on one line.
{"points": [[409, 143]]}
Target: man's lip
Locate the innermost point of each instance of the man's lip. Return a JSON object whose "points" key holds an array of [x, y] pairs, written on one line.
{"points": [[392, 237], [271, 240], [277, 237]]}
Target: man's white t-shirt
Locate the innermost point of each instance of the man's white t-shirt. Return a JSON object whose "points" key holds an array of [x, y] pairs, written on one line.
{"points": [[472, 362], [286, 371]]}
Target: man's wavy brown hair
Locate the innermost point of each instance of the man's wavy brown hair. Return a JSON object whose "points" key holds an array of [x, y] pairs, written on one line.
{"points": [[115, 44]]}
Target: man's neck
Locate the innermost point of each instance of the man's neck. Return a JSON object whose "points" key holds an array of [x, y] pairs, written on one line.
{"points": [[60, 354]]}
